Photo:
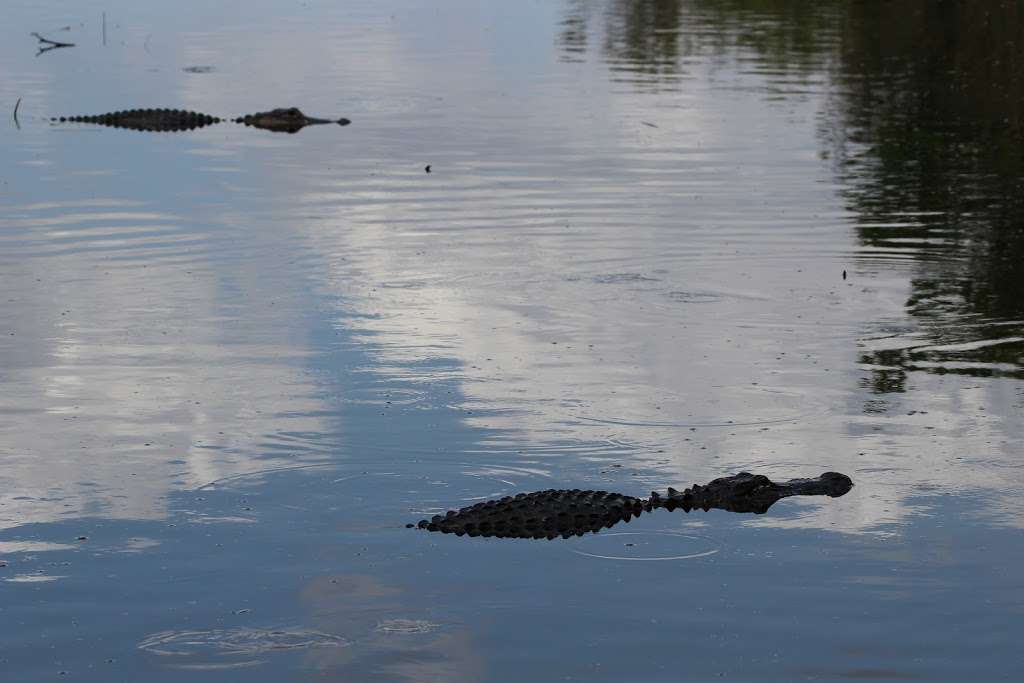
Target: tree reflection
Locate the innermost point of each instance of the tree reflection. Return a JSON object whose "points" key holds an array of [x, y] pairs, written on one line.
{"points": [[924, 123], [573, 36], [642, 36], [929, 122], [649, 41]]}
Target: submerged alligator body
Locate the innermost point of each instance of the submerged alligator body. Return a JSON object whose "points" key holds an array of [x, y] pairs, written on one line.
{"points": [[563, 513], [285, 120]]}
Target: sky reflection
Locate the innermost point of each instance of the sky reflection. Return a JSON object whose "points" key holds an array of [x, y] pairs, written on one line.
{"points": [[637, 276], [661, 241]]}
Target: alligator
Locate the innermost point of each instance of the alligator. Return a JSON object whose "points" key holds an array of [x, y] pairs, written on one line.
{"points": [[285, 120], [572, 512]]}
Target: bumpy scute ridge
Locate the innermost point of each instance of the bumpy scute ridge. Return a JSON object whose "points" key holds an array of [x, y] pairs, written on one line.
{"points": [[150, 120], [541, 514]]}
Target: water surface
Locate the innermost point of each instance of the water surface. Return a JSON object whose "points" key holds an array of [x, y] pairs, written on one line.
{"points": [[660, 241]]}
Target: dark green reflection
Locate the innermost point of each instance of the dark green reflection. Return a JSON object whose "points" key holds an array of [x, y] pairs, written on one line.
{"points": [[573, 36], [923, 123], [643, 37], [648, 42], [928, 127]]}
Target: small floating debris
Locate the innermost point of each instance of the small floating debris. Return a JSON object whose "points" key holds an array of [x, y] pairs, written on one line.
{"points": [[427, 169], [45, 44], [406, 626]]}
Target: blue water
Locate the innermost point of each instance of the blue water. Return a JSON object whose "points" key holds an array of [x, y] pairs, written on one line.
{"points": [[659, 242]]}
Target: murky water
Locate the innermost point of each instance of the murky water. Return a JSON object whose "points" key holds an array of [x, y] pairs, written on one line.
{"points": [[659, 242]]}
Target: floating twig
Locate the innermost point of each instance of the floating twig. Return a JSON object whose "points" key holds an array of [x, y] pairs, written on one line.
{"points": [[16, 105], [53, 43], [46, 44]]}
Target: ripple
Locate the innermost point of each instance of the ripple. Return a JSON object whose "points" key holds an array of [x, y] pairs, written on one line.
{"points": [[232, 648], [775, 468], [257, 475], [366, 498], [406, 626], [972, 345], [622, 278], [693, 297], [708, 423], [32, 546], [426, 491], [645, 546], [415, 478], [34, 578], [759, 406]]}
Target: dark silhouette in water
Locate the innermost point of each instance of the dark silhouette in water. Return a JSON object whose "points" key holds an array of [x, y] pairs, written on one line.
{"points": [[285, 120], [45, 44], [571, 512]]}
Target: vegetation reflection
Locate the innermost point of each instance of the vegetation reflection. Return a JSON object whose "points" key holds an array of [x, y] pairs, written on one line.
{"points": [[929, 140], [924, 127]]}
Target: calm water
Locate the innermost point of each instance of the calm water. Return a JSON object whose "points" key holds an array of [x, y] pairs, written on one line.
{"points": [[235, 363]]}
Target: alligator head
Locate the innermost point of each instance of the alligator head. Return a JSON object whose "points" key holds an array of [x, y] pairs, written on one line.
{"points": [[286, 120], [746, 492]]}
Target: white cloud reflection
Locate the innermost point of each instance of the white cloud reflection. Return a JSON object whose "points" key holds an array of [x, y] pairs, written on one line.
{"points": [[663, 297]]}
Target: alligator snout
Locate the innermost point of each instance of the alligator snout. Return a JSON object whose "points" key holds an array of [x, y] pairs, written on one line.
{"points": [[285, 120], [311, 120]]}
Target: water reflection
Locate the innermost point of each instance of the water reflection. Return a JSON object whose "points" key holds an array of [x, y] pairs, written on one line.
{"points": [[574, 38], [677, 342], [642, 38], [923, 127], [928, 124], [131, 400], [261, 355], [754, 325], [652, 42], [919, 119], [391, 644]]}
